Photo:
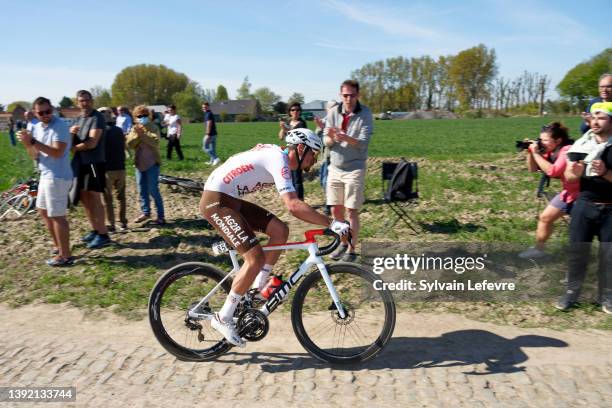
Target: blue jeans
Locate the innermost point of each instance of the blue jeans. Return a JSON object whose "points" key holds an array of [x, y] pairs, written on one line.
{"points": [[148, 185], [12, 137], [210, 146]]}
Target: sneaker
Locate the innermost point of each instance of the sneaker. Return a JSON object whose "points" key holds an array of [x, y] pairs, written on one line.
{"points": [[111, 228], [349, 257], [99, 241], [123, 226], [59, 261], [532, 253], [338, 252], [160, 221], [273, 283], [228, 330], [567, 301], [90, 236], [606, 307], [216, 161], [142, 218]]}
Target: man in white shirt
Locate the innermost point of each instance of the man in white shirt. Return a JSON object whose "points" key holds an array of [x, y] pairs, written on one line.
{"points": [[175, 130]]}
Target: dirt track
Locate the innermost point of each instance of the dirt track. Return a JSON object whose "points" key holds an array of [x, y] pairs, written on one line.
{"points": [[433, 360]]}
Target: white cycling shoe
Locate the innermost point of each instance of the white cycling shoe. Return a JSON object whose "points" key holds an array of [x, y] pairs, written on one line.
{"points": [[228, 330]]}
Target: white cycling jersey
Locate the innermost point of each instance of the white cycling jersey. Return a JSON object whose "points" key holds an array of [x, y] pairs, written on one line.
{"points": [[263, 166]]}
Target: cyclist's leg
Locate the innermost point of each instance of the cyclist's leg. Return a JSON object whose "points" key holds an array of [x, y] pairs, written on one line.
{"points": [[277, 231], [224, 214]]}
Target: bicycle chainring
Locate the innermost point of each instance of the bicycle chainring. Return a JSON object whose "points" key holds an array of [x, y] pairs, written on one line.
{"points": [[253, 325]]}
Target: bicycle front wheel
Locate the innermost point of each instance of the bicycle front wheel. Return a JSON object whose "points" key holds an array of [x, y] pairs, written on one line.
{"points": [[361, 334], [175, 293]]}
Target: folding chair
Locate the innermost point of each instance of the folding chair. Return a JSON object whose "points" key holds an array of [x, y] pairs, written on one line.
{"points": [[400, 190]]}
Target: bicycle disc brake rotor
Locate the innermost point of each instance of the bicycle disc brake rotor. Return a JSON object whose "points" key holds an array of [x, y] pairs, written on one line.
{"points": [[348, 310], [253, 325]]}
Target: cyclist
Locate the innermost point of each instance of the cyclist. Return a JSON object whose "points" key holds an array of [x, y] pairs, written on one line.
{"points": [[236, 220]]}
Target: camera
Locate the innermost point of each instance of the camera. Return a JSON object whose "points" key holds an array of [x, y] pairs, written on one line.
{"points": [[524, 145], [21, 125]]}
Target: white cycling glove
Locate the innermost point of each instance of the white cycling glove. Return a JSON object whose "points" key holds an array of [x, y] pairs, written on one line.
{"points": [[341, 228]]}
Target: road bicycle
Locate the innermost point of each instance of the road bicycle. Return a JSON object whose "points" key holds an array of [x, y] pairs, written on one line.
{"points": [[182, 185], [19, 200], [336, 313]]}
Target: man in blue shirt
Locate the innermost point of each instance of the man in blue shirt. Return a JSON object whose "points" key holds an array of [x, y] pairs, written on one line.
{"points": [[49, 143], [123, 120], [209, 144]]}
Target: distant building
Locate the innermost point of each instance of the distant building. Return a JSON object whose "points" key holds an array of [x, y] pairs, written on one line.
{"points": [[316, 108], [228, 111]]}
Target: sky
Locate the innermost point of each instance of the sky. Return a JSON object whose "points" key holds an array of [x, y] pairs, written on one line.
{"points": [[54, 48]]}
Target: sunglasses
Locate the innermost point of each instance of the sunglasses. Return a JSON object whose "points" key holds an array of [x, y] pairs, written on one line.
{"points": [[45, 112], [295, 110], [142, 116], [349, 95]]}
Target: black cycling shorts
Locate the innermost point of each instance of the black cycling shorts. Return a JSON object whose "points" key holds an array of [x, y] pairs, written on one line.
{"points": [[234, 219]]}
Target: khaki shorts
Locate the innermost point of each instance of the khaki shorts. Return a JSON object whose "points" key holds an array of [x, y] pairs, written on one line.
{"points": [[345, 187]]}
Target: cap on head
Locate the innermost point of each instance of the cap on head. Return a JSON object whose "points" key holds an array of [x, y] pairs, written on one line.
{"points": [[107, 112], [604, 107]]}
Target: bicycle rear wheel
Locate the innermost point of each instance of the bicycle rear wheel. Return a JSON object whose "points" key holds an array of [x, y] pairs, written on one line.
{"points": [[16, 206], [362, 334], [178, 290]]}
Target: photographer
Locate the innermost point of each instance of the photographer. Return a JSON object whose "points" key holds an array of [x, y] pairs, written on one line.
{"points": [[549, 155]]}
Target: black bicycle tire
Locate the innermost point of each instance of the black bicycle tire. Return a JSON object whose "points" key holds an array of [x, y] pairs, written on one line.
{"points": [[298, 325], [155, 319]]}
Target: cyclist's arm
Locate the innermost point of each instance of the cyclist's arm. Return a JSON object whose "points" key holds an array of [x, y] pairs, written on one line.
{"points": [[303, 211]]}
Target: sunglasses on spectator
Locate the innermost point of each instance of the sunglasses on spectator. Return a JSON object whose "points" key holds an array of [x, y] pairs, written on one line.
{"points": [[142, 116], [349, 95], [45, 112], [295, 110]]}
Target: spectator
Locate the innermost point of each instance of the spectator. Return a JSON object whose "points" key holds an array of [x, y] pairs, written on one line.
{"points": [[592, 212], [325, 153], [124, 119], [30, 120], [605, 95], [555, 142], [157, 120], [175, 130], [209, 144], [49, 145], [11, 129], [295, 122], [115, 171], [88, 164], [144, 139], [347, 134]]}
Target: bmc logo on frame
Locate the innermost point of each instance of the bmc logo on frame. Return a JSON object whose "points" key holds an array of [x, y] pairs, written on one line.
{"points": [[245, 168]]}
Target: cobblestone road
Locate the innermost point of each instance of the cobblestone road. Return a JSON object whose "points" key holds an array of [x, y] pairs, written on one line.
{"points": [[433, 360]]}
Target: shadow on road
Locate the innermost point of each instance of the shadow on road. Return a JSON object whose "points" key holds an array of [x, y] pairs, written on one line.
{"points": [[459, 348]]}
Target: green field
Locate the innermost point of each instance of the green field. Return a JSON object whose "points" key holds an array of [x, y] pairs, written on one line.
{"points": [[469, 139]]}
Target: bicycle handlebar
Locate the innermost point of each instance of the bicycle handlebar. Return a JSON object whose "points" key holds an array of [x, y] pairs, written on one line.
{"points": [[327, 249]]}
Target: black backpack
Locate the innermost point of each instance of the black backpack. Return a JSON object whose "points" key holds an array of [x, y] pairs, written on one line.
{"points": [[402, 181]]}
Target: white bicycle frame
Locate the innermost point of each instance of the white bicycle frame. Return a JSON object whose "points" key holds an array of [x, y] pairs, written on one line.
{"points": [[279, 295]]}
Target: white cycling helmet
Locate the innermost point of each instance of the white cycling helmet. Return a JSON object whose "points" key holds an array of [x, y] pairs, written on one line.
{"points": [[303, 136]]}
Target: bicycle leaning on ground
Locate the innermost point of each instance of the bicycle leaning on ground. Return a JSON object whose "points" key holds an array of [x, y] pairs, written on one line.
{"points": [[336, 314], [19, 199]]}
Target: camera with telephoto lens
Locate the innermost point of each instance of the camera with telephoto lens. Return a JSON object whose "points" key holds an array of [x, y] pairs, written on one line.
{"points": [[524, 145]]}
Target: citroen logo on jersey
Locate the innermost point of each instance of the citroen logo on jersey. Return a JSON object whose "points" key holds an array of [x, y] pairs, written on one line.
{"points": [[232, 174]]}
